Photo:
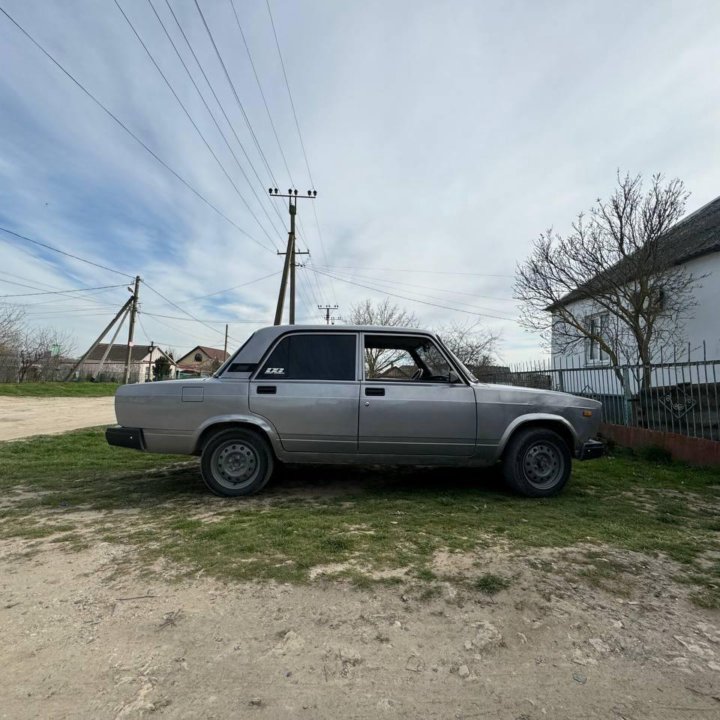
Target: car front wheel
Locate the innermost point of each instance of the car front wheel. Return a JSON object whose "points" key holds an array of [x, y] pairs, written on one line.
{"points": [[236, 462], [537, 463]]}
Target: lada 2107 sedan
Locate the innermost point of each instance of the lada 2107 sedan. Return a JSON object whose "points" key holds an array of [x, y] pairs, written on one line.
{"points": [[350, 394]]}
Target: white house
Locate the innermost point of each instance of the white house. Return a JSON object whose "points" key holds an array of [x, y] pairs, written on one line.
{"points": [[687, 367], [107, 362], [693, 243]]}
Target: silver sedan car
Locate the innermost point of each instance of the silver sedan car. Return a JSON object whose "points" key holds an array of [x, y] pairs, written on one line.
{"points": [[362, 395]]}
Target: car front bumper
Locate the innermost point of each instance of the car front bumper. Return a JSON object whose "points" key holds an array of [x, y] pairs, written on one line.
{"points": [[591, 450], [125, 437]]}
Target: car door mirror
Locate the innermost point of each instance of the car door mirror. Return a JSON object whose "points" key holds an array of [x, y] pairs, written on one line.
{"points": [[453, 377]]}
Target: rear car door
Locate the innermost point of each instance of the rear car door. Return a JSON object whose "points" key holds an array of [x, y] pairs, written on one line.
{"points": [[307, 386], [408, 404]]}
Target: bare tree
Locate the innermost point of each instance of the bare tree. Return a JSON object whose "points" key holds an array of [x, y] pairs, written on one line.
{"points": [[473, 345], [611, 284], [383, 313], [41, 351], [11, 330]]}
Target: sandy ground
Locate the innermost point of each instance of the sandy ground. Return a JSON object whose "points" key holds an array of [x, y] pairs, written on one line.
{"points": [[83, 637], [25, 416]]}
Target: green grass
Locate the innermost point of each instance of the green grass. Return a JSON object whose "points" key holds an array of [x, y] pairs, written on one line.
{"points": [[358, 520], [58, 389], [490, 583]]}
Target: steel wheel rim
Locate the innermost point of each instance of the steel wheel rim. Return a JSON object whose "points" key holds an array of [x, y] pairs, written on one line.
{"points": [[235, 464], [543, 465]]}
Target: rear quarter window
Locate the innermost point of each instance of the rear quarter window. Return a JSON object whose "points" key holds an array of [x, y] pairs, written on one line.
{"points": [[312, 357]]}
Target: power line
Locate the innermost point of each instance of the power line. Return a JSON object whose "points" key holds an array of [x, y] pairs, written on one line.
{"points": [[57, 250], [436, 289], [300, 137], [423, 302], [287, 85], [197, 129], [220, 105], [62, 292], [215, 322], [234, 91], [476, 308], [262, 94], [235, 287], [430, 272], [207, 107], [126, 129], [183, 310]]}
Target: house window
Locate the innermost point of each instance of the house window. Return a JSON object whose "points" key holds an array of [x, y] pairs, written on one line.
{"points": [[597, 326], [198, 357]]}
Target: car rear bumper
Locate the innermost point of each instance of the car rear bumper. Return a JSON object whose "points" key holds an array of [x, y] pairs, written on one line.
{"points": [[125, 437], [591, 450]]}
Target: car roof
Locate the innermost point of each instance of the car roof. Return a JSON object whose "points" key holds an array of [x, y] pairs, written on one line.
{"points": [[257, 344]]}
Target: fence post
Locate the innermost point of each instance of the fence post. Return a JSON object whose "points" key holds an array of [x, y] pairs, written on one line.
{"points": [[561, 381], [627, 405]]}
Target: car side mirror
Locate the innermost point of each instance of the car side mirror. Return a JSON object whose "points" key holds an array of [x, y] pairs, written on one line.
{"points": [[453, 377]]}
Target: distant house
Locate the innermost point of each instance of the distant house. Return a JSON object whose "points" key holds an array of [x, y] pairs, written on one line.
{"points": [[201, 361], [144, 358]]}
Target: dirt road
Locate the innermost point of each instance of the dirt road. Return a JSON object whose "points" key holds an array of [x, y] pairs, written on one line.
{"points": [[26, 416], [84, 637]]}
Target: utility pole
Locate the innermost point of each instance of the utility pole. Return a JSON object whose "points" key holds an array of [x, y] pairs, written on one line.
{"points": [[290, 254], [131, 330], [121, 313], [327, 309], [226, 339]]}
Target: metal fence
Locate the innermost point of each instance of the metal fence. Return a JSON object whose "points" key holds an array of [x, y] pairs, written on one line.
{"points": [[679, 397]]}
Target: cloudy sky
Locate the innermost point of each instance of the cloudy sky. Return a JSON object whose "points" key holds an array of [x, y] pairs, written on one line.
{"points": [[442, 138]]}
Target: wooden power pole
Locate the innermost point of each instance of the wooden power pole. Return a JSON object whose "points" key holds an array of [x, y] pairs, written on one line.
{"points": [[131, 329], [290, 254]]}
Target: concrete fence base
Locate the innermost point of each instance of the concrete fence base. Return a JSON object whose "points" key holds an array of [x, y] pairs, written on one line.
{"points": [[694, 451]]}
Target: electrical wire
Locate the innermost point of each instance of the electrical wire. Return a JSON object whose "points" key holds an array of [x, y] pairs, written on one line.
{"points": [[183, 310], [207, 107], [235, 93], [262, 94], [62, 252], [235, 287], [197, 129], [300, 137], [62, 292], [436, 289], [220, 105], [477, 308], [215, 322], [135, 137], [423, 302], [430, 272]]}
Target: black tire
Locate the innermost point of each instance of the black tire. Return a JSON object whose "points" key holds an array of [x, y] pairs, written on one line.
{"points": [[537, 463], [236, 462]]}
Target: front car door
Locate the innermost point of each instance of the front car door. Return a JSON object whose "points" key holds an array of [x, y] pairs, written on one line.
{"points": [[307, 386], [408, 404]]}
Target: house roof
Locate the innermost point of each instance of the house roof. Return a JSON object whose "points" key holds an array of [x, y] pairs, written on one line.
{"points": [[212, 353], [118, 353], [692, 237]]}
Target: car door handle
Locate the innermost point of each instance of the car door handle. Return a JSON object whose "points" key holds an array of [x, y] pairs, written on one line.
{"points": [[266, 389], [374, 391]]}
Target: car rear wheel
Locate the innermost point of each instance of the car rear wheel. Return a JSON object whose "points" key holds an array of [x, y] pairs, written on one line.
{"points": [[537, 463], [236, 462]]}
